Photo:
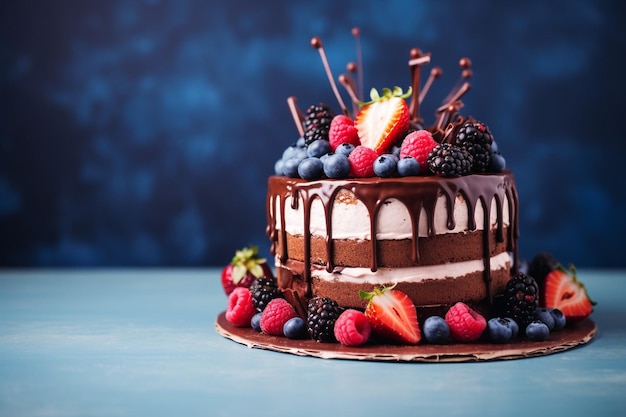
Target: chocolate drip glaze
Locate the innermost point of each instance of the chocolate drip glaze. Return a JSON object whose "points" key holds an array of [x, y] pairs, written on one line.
{"points": [[416, 193]]}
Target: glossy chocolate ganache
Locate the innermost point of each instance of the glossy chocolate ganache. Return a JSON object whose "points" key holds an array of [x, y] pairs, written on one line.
{"points": [[298, 256]]}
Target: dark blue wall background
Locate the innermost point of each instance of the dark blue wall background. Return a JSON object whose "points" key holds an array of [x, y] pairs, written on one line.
{"points": [[142, 133]]}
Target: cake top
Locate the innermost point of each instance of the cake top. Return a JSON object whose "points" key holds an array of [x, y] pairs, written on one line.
{"points": [[385, 136]]}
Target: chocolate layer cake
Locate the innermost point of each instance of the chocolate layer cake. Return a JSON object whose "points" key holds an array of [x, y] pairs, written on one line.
{"points": [[427, 235], [384, 229]]}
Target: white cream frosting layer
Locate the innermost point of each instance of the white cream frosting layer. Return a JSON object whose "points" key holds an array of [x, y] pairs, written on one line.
{"points": [[413, 274], [352, 221]]}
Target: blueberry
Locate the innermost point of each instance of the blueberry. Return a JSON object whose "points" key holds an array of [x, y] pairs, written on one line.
{"points": [[395, 151], [300, 143], [255, 322], [290, 152], [545, 316], [497, 163], [295, 328], [501, 329], [514, 327], [537, 330], [318, 148], [278, 167], [345, 148], [559, 318], [325, 156], [301, 154], [408, 166], [336, 165], [290, 167], [436, 330], [494, 147], [385, 165], [311, 169]]}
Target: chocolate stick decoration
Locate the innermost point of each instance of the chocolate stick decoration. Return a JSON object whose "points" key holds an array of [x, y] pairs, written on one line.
{"points": [[348, 83], [316, 43], [466, 73], [446, 113], [434, 74], [452, 102], [415, 63], [455, 97], [356, 32], [353, 68], [296, 114]]}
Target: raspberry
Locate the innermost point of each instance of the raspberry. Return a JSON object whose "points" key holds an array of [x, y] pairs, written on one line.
{"points": [[362, 162], [240, 308], [466, 325], [418, 144], [275, 315], [352, 328], [342, 130]]}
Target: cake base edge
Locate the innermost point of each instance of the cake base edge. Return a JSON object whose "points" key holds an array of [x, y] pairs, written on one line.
{"points": [[572, 336]]}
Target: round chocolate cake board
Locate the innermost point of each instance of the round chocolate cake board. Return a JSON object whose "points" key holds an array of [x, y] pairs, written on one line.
{"points": [[572, 336]]}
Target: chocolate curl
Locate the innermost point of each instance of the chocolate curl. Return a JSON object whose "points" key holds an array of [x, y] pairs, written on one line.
{"points": [[296, 114], [446, 115], [417, 60], [317, 44], [356, 32], [453, 127], [434, 74], [348, 83]]}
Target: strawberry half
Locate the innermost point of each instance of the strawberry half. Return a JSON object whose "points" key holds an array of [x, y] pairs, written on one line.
{"points": [[245, 267], [384, 120], [392, 315], [564, 291]]}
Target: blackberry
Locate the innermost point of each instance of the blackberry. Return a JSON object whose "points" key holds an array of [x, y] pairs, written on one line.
{"points": [[263, 291], [317, 123], [520, 299], [541, 265], [449, 160], [322, 312], [477, 139]]}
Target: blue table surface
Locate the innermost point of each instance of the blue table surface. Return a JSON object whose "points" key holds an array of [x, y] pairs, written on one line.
{"points": [[142, 342]]}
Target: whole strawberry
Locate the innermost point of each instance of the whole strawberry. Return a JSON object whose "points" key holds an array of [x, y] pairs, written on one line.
{"points": [[245, 267]]}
